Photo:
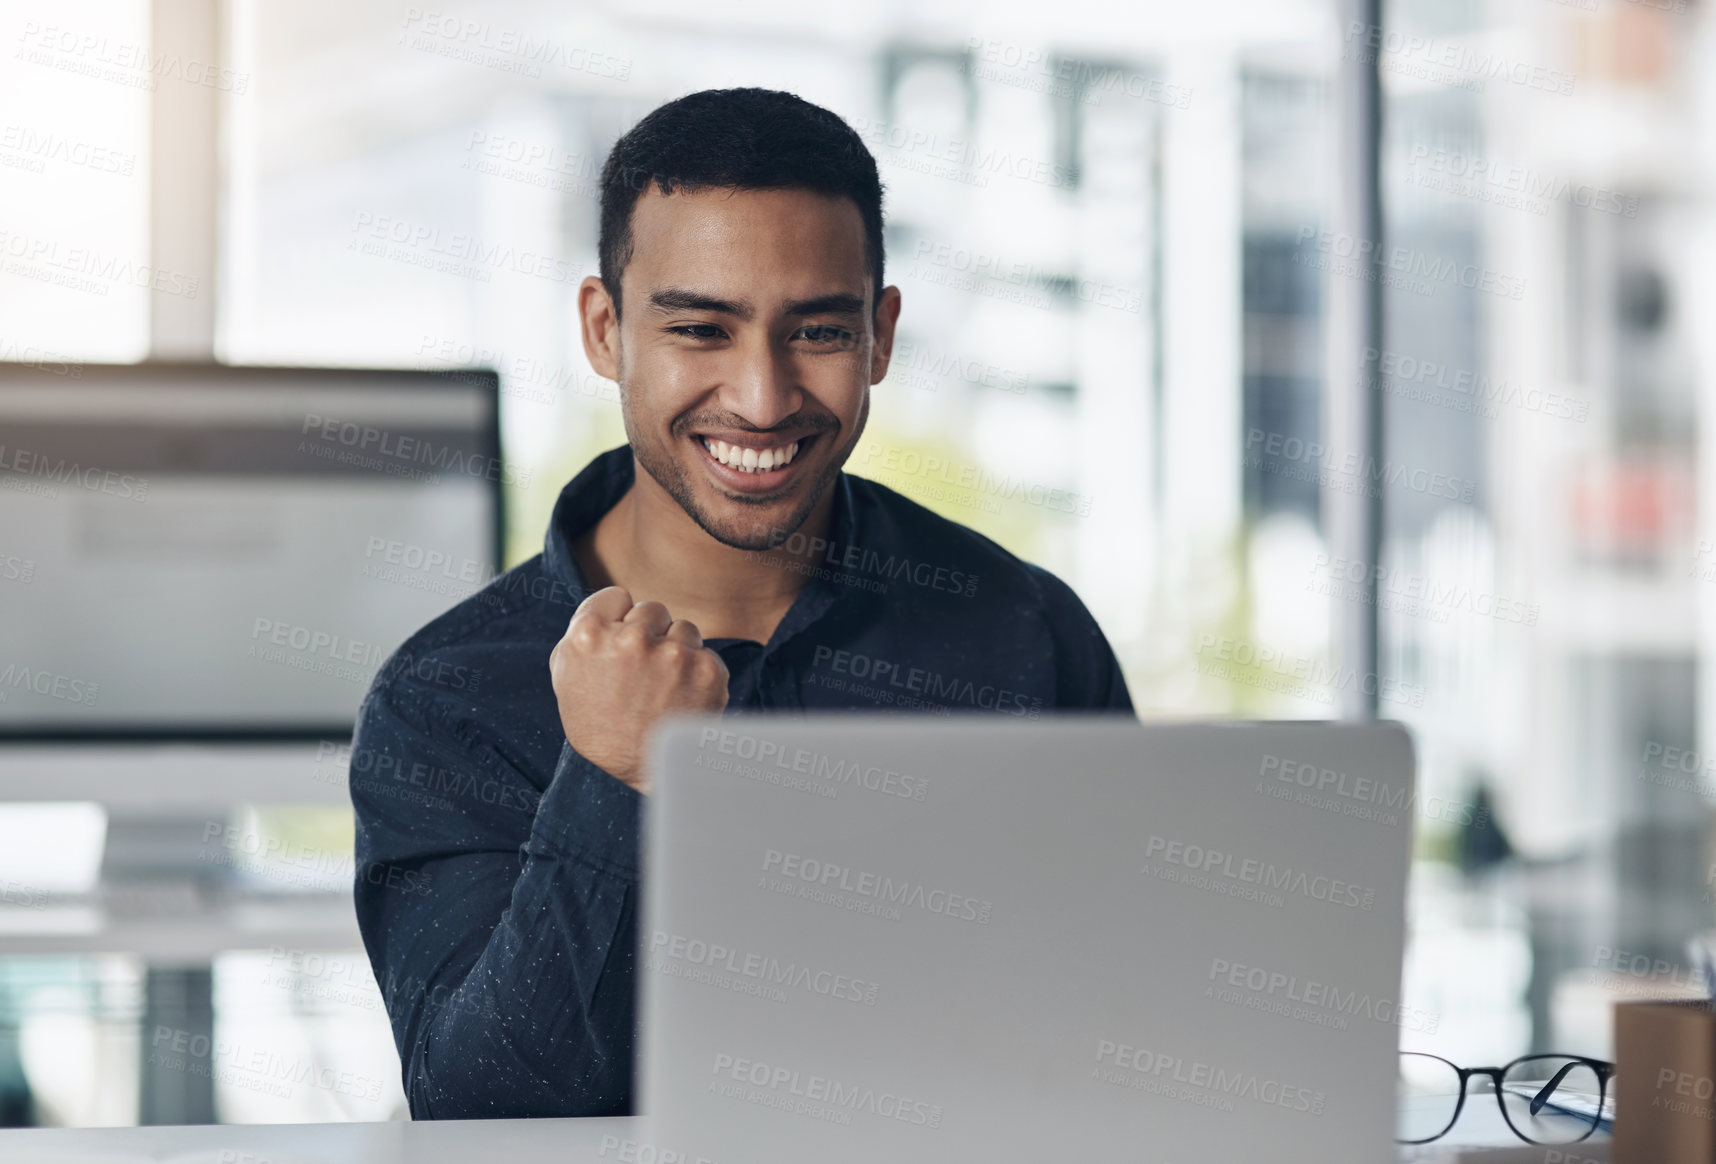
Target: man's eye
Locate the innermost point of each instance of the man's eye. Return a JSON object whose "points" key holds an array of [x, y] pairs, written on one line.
{"points": [[703, 331], [821, 334]]}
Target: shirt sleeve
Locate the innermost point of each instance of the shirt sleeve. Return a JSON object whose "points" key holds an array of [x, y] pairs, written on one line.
{"points": [[1087, 673], [500, 919]]}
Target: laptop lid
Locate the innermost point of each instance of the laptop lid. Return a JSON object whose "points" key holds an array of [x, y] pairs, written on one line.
{"points": [[871, 938]]}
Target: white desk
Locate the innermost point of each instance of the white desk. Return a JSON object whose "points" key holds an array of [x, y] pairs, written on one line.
{"points": [[168, 776], [1483, 1137], [592, 1141], [439, 1142]]}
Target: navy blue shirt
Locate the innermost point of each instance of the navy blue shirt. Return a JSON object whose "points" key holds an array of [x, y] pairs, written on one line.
{"points": [[497, 869]]}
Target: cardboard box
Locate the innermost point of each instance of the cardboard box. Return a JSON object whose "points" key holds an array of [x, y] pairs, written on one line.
{"points": [[1665, 1083]]}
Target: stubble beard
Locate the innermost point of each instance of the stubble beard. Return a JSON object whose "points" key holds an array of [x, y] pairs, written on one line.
{"points": [[760, 534]]}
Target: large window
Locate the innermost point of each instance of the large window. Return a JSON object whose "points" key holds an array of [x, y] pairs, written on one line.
{"points": [[1542, 357], [75, 266]]}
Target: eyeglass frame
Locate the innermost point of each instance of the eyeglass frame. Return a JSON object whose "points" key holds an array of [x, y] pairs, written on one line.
{"points": [[1603, 1069]]}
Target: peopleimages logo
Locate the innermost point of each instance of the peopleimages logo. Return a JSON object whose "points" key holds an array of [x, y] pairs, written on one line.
{"points": [[43, 259], [1558, 1156], [1681, 769], [19, 677], [1231, 875], [21, 467], [1239, 661], [1414, 594], [1625, 971], [1413, 378], [966, 160], [1069, 77], [1208, 1084], [917, 364], [1681, 759], [870, 568], [832, 883], [525, 378], [843, 1098], [1438, 58], [623, 1149], [121, 62], [1269, 451], [19, 570], [504, 49], [398, 454], [14, 351], [386, 773], [1400, 267], [975, 270], [836, 773], [931, 685], [1517, 187], [1306, 999], [906, 462], [680, 956], [1696, 1092], [254, 1069], [468, 256], [1358, 796], [335, 647], [425, 568], [35, 148]]}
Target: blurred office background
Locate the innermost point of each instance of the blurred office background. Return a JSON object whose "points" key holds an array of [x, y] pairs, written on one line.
{"points": [[1112, 231]]}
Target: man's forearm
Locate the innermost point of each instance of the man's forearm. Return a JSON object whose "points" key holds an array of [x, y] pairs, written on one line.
{"points": [[510, 989], [542, 1023]]}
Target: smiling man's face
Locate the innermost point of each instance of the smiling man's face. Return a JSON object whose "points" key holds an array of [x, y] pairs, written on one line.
{"points": [[745, 353]]}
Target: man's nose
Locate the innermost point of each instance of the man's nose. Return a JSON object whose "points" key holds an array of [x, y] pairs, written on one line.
{"points": [[762, 385]]}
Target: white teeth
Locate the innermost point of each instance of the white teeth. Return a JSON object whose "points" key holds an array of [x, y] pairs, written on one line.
{"points": [[750, 460]]}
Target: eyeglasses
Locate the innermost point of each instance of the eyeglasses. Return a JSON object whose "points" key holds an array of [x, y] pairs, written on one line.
{"points": [[1545, 1099]]}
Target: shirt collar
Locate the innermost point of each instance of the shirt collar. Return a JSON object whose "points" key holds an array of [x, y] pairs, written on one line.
{"points": [[601, 484]]}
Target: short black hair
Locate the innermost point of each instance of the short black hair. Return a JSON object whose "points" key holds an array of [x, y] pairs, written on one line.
{"points": [[744, 139]]}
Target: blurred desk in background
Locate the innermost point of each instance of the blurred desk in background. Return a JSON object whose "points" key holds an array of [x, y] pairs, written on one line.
{"points": [[175, 776], [1481, 1136], [440, 1142], [166, 893], [556, 1141], [169, 890], [166, 848], [166, 875]]}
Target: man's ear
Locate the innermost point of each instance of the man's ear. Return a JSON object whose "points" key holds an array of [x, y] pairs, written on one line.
{"points": [[887, 318], [599, 319]]}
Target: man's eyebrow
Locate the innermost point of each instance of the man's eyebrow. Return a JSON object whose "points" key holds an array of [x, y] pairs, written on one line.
{"points": [[840, 303], [673, 299]]}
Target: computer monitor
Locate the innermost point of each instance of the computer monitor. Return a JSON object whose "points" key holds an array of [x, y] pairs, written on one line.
{"points": [[208, 552]]}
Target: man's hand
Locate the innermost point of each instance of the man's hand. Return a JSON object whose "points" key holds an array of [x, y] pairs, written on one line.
{"points": [[619, 668]]}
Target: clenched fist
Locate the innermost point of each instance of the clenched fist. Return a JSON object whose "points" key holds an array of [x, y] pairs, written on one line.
{"points": [[619, 668]]}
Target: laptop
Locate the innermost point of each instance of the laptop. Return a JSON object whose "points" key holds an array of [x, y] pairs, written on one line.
{"points": [[877, 939]]}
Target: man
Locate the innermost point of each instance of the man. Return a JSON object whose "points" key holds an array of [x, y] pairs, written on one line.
{"points": [[721, 561]]}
